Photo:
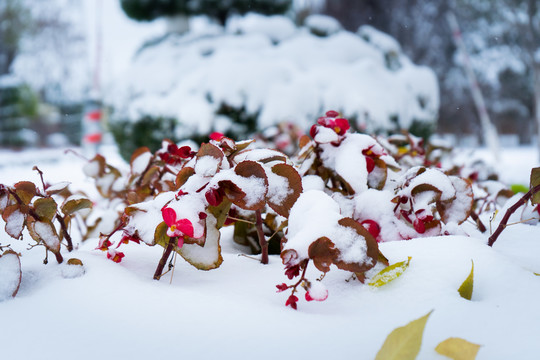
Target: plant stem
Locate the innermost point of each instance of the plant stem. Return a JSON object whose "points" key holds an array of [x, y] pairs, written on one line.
{"points": [[478, 222], [59, 257], [65, 232], [512, 209], [164, 257], [262, 241]]}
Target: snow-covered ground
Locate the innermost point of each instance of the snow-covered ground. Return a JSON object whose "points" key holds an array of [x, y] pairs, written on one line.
{"points": [[116, 311]]}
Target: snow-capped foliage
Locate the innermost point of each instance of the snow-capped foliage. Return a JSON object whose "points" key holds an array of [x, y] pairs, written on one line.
{"points": [[269, 69], [332, 204]]}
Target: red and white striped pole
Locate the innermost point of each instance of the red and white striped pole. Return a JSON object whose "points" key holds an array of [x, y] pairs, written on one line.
{"points": [[93, 110], [489, 130]]}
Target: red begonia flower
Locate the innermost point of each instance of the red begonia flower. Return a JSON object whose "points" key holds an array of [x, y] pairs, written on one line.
{"points": [[291, 301], [216, 136]]}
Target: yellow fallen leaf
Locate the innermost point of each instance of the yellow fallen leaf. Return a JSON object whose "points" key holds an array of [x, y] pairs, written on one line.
{"points": [[404, 342], [389, 273], [458, 349], [466, 289]]}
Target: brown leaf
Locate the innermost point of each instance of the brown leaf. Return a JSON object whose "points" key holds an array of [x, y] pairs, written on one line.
{"points": [[535, 181], [207, 149], [75, 261], [295, 184], [71, 206], [372, 251], [183, 176], [234, 193], [459, 208], [304, 140], [10, 268], [136, 154], [15, 220], [149, 175], [377, 178], [323, 253], [25, 190]]}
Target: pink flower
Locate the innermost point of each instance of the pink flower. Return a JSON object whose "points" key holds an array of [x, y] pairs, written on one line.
{"points": [[177, 228]]}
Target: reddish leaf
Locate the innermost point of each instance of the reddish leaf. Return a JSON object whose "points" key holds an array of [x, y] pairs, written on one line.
{"points": [[295, 184], [210, 150], [372, 251], [323, 253]]}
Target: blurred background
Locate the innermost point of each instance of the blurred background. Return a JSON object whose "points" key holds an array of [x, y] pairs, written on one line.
{"points": [[133, 72]]}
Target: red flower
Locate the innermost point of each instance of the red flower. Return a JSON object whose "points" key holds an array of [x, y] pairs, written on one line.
{"points": [[104, 243], [339, 125], [282, 287], [370, 164], [419, 226], [126, 238], [216, 136], [177, 228], [292, 271], [373, 228], [114, 255], [214, 197], [174, 154], [332, 113], [292, 300]]}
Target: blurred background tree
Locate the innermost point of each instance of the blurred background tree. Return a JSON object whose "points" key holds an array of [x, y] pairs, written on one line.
{"points": [[503, 38], [219, 10]]}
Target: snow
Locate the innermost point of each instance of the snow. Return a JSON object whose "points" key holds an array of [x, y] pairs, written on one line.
{"points": [[101, 312], [277, 71], [322, 24], [11, 275]]}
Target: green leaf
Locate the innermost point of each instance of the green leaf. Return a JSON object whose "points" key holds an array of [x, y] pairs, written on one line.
{"points": [[466, 289], [71, 206], [458, 349], [45, 208], [389, 273], [535, 181], [518, 188], [160, 235], [404, 342]]}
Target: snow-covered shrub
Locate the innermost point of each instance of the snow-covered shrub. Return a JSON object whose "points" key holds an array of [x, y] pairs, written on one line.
{"points": [[25, 206], [259, 68]]}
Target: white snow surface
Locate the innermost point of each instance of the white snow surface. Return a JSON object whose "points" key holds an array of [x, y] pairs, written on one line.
{"points": [[270, 67], [116, 311]]}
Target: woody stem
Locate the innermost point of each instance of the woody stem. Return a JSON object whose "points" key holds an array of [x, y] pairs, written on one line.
{"points": [[262, 241], [510, 211], [164, 257]]}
